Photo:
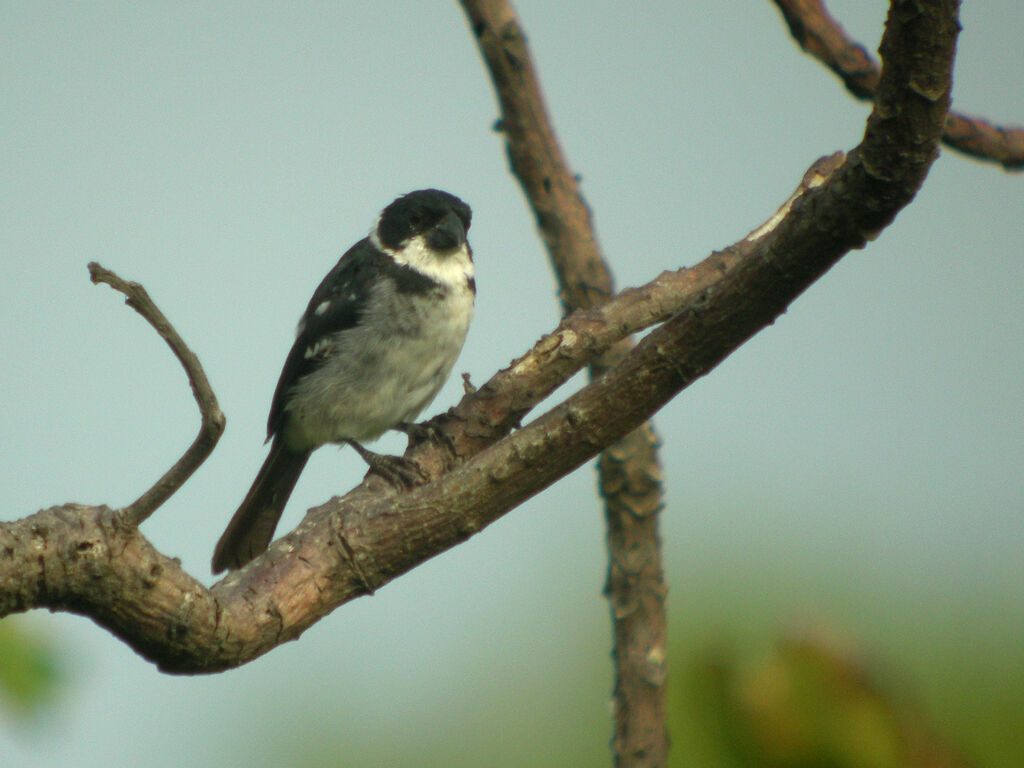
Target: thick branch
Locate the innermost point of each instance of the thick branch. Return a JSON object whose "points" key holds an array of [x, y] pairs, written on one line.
{"points": [[212, 419], [81, 559], [629, 476], [822, 37]]}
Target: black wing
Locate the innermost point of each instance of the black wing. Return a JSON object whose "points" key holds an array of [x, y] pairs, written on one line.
{"points": [[337, 304]]}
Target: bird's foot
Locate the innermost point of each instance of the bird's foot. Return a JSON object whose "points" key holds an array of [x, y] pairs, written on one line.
{"points": [[398, 471]]}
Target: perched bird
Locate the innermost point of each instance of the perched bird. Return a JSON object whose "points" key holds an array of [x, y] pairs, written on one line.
{"points": [[372, 349]]}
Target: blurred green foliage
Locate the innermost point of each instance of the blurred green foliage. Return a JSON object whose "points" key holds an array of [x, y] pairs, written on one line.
{"points": [[29, 676], [812, 702], [882, 678]]}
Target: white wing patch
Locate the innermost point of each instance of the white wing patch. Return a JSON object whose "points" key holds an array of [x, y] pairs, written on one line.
{"points": [[316, 347]]}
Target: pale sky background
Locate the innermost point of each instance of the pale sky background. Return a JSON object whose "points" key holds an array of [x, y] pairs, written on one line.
{"points": [[870, 442]]}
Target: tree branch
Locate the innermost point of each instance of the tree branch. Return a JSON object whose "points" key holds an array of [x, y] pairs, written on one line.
{"points": [[82, 559], [821, 36], [212, 419], [629, 475]]}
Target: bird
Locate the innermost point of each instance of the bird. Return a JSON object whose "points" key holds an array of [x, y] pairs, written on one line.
{"points": [[376, 342]]}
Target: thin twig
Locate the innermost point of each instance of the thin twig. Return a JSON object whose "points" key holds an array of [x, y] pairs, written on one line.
{"points": [[212, 425], [822, 37], [629, 476]]}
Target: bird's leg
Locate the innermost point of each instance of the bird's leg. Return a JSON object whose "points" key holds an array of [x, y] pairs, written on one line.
{"points": [[398, 471]]}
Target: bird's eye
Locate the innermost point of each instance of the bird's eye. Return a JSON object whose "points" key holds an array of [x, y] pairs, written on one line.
{"points": [[416, 218]]}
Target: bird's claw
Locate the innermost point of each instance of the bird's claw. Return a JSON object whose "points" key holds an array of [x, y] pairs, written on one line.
{"points": [[397, 470]]}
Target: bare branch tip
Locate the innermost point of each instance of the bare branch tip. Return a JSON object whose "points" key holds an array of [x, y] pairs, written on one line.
{"points": [[100, 274]]}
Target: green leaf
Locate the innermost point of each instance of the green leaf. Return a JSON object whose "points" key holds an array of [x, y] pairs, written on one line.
{"points": [[28, 671]]}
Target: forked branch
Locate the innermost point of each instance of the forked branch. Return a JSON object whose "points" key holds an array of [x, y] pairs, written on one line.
{"points": [[822, 37]]}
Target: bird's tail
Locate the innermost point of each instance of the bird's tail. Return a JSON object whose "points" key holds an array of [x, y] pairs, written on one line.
{"points": [[250, 530]]}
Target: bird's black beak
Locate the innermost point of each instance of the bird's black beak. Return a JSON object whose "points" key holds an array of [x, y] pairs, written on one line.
{"points": [[448, 234]]}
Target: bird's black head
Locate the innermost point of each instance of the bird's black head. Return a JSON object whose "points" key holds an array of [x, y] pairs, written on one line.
{"points": [[441, 218]]}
